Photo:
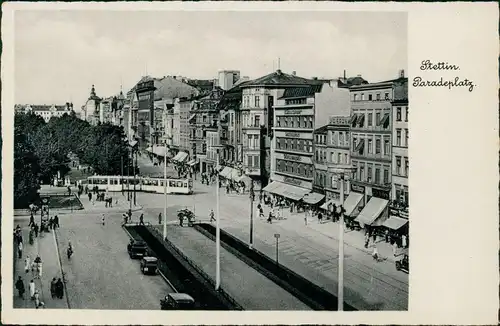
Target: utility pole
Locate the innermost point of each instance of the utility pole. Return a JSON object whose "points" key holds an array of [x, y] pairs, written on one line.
{"points": [[135, 173], [165, 191], [252, 196]]}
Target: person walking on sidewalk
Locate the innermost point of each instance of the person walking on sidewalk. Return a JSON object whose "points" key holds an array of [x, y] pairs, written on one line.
{"points": [[159, 218], [56, 222], [212, 218], [20, 287], [141, 219], [32, 289], [270, 218], [27, 264], [32, 220], [53, 287], [20, 249], [59, 288], [403, 240]]}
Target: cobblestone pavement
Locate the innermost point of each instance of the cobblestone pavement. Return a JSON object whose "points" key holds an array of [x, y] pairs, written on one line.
{"points": [[308, 250]]}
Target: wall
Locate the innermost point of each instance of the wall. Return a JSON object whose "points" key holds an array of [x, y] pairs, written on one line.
{"points": [[331, 101]]}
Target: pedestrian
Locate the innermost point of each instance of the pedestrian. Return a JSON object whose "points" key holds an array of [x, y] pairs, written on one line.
{"points": [[375, 253], [270, 218], [141, 219], [32, 289], [103, 219], [53, 287], [20, 287], [56, 222], [374, 236], [159, 218], [212, 218], [36, 297], [394, 249], [36, 230], [320, 217], [367, 240], [69, 191], [32, 220], [27, 264], [403, 240], [90, 196], [51, 222], [38, 266], [20, 249], [386, 236], [59, 288]]}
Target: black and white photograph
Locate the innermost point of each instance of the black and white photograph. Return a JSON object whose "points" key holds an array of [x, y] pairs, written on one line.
{"points": [[212, 160]]}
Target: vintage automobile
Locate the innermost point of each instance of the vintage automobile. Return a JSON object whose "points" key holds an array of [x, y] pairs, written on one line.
{"points": [[403, 264], [149, 265], [177, 301], [137, 249], [186, 214]]}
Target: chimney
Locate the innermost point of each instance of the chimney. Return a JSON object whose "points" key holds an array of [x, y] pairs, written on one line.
{"points": [[294, 73], [402, 73]]}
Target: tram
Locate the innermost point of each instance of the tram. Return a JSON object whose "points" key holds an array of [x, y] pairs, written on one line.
{"points": [[144, 184]]}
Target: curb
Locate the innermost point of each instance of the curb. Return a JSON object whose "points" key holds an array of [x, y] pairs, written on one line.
{"points": [[62, 271]]}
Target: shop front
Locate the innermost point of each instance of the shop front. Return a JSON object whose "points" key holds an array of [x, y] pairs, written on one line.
{"points": [[180, 157], [353, 204], [283, 191]]}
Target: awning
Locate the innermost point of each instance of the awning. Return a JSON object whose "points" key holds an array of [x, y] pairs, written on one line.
{"points": [[234, 174], [289, 191], [354, 117], [395, 223], [313, 198], [385, 120], [361, 120], [271, 186], [149, 149], [352, 201], [219, 168], [159, 150], [192, 162], [244, 178], [372, 211], [360, 145], [180, 157], [132, 143], [226, 172], [192, 117], [326, 206]]}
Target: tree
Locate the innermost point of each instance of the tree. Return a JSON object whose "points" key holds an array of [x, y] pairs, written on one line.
{"points": [[26, 171]]}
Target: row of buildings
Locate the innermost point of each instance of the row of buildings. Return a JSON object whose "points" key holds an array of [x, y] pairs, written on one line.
{"points": [[289, 134]]}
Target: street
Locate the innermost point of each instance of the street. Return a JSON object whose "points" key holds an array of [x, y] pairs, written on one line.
{"points": [[311, 251]]}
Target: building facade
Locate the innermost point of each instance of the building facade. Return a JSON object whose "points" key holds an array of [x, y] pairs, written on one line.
{"points": [[227, 78], [371, 151], [91, 108], [400, 160], [45, 111]]}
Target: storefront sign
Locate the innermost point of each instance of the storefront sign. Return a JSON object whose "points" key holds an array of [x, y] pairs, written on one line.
{"points": [[291, 157], [292, 134], [356, 188], [384, 194], [292, 181], [293, 112]]}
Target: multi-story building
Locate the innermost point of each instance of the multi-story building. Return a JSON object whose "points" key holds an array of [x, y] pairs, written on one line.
{"points": [[400, 160], [111, 110], [45, 111], [331, 154], [228, 78], [298, 111], [91, 108], [371, 155]]}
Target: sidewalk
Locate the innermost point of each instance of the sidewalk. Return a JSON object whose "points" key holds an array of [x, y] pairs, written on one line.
{"points": [[120, 203], [45, 247]]}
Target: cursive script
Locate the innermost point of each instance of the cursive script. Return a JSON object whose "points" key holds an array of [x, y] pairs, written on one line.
{"points": [[448, 82]]}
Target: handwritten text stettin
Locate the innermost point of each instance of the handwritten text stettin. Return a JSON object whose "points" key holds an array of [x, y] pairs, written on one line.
{"points": [[455, 81]]}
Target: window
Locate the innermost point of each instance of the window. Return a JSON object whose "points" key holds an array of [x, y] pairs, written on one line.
{"points": [[332, 157], [407, 166], [369, 174], [362, 173], [334, 182], [406, 137], [378, 96], [406, 114], [354, 140], [346, 158], [387, 148], [370, 149], [355, 97], [257, 101], [377, 176], [398, 137], [257, 121], [369, 97], [316, 155], [310, 122], [377, 146], [386, 95], [250, 160], [341, 138], [362, 96], [370, 117], [256, 161], [377, 119], [339, 158], [398, 165], [398, 114], [386, 176]]}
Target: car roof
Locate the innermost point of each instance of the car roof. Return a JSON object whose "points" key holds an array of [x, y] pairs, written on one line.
{"points": [[150, 258], [139, 242], [180, 296]]}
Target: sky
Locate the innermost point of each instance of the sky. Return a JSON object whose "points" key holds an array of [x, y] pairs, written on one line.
{"points": [[59, 55]]}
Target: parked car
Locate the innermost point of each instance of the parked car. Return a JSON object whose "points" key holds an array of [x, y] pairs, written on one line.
{"points": [[403, 264], [137, 249], [149, 265], [177, 301]]}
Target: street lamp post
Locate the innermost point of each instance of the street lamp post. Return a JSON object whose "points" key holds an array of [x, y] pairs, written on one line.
{"points": [[135, 172], [165, 191], [252, 195], [341, 173], [217, 232], [121, 181], [277, 236]]}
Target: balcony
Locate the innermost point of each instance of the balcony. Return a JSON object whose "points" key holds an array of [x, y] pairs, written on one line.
{"points": [[375, 157], [252, 126]]}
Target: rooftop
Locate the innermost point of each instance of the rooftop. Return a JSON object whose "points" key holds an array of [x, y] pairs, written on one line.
{"points": [[279, 78], [306, 91]]}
